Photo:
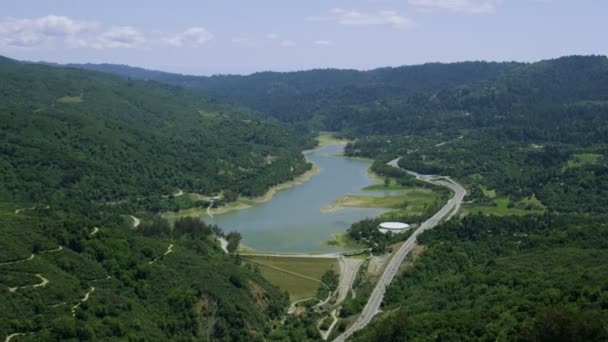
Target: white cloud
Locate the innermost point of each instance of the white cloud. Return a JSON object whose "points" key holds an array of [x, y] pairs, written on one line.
{"points": [[272, 36], [121, 37], [357, 18], [465, 6], [193, 37], [288, 43], [125, 37], [323, 42], [24, 32]]}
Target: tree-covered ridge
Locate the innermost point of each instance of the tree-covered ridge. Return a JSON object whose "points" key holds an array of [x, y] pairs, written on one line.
{"points": [[141, 285], [304, 95], [90, 135], [79, 151], [513, 278]]}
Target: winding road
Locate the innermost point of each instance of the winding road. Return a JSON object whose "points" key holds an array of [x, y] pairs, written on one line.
{"points": [[374, 301]]}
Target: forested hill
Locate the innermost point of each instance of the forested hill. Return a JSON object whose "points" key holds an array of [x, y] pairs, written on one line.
{"points": [[79, 152], [296, 96], [95, 136]]}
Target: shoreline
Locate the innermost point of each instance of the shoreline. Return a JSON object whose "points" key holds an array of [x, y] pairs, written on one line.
{"points": [[324, 139]]}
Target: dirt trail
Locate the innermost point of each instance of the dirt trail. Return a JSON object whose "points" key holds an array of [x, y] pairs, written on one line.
{"points": [[349, 268], [289, 272], [31, 257], [209, 210], [84, 299], [10, 337], [167, 252], [136, 221], [325, 335], [292, 307], [95, 231], [43, 283], [31, 208]]}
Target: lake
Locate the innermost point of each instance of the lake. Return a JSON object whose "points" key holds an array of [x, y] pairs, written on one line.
{"points": [[292, 220]]}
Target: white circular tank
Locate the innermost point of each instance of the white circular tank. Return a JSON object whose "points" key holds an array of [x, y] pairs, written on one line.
{"points": [[395, 227]]}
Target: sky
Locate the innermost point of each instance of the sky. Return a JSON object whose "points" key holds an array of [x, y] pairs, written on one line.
{"points": [[243, 36]]}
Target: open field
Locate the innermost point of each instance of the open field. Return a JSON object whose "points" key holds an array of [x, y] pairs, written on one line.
{"points": [[413, 201], [291, 274], [297, 287], [525, 206], [582, 159], [70, 99], [342, 240]]}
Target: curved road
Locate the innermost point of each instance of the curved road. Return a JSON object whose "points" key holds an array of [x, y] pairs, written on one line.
{"points": [[374, 301]]}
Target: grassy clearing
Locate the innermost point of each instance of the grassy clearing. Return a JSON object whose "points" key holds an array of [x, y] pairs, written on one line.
{"points": [[297, 287], [490, 193], [391, 186], [414, 201], [309, 267], [578, 160], [342, 240], [502, 207], [70, 99], [326, 138]]}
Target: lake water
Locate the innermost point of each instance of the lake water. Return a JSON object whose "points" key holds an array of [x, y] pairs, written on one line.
{"points": [[292, 220]]}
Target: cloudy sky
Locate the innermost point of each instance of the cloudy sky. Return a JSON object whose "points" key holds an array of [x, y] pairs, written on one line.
{"points": [[243, 36]]}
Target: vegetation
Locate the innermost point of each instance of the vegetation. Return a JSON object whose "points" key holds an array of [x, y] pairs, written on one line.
{"points": [[534, 278], [131, 141], [82, 149], [300, 277]]}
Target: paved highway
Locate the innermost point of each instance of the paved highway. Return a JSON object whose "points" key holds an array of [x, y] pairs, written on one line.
{"points": [[374, 301]]}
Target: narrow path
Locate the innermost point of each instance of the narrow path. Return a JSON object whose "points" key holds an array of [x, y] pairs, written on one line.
{"points": [[31, 257], [375, 300], [84, 299], [43, 283], [323, 302], [136, 221], [179, 192], [209, 210], [325, 335], [31, 208], [292, 307], [349, 269], [169, 249], [10, 337], [95, 231]]}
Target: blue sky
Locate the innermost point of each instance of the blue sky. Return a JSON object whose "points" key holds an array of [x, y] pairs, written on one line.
{"points": [[243, 36]]}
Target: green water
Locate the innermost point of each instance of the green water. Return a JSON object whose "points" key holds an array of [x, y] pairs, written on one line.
{"points": [[292, 221]]}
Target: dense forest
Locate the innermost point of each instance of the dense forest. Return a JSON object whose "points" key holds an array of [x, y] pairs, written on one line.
{"points": [[484, 278], [83, 149], [80, 151], [68, 132]]}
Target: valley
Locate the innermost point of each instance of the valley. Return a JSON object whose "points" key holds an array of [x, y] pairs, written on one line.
{"points": [[139, 205]]}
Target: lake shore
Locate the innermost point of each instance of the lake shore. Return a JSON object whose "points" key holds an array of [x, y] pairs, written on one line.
{"points": [[324, 139]]}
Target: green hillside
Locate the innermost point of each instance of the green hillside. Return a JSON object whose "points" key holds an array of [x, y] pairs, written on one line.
{"points": [[93, 136], [80, 151]]}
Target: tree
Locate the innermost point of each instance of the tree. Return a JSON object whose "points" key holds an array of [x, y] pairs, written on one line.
{"points": [[234, 239]]}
